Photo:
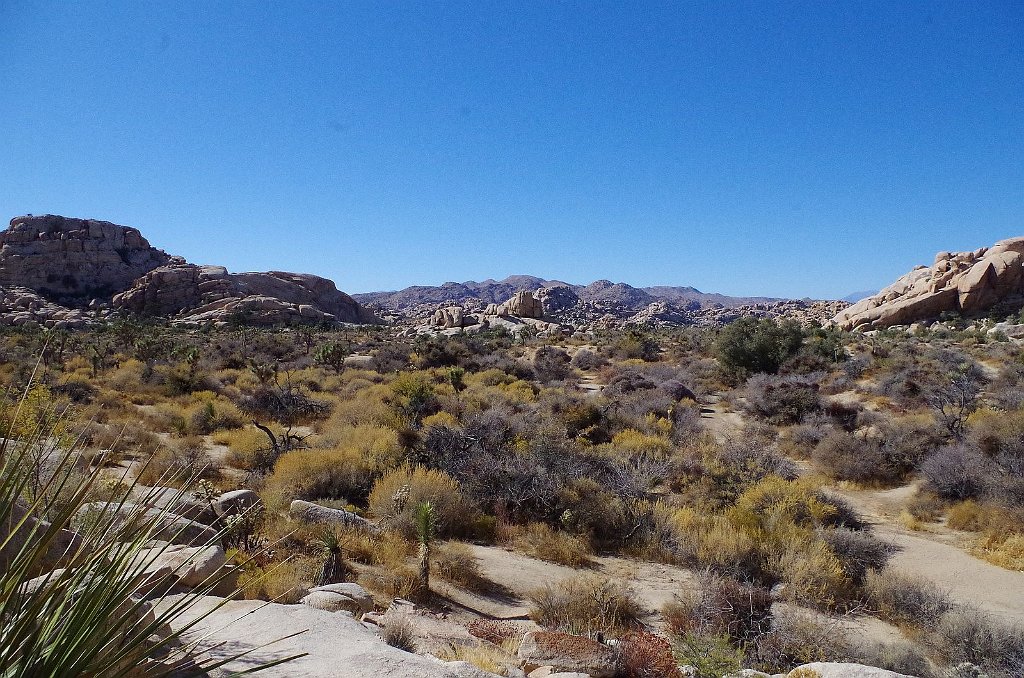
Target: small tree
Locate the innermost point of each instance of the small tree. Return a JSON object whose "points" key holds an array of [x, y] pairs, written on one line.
{"points": [[425, 535], [957, 398], [750, 345]]}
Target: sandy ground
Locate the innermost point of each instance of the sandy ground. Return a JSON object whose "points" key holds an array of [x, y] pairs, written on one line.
{"points": [[721, 423], [516, 575], [937, 554]]}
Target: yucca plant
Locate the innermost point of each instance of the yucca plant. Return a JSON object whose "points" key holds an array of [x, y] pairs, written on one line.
{"points": [[88, 613], [332, 566], [425, 523]]}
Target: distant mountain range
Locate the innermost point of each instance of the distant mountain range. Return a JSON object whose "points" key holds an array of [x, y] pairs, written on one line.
{"points": [[857, 296], [603, 292]]}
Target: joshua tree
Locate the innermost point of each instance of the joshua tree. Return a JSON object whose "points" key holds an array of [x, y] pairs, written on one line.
{"points": [[425, 534], [332, 355]]}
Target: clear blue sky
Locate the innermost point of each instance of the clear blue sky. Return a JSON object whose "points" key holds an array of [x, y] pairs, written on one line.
{"points": [[791, 149]]}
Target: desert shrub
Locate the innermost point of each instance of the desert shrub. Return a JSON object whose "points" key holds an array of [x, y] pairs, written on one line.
{"points": [[721, 605], [968, 635], [782, 400], [710, 656], [397, 582], [813, 573], [906, 600], [399, 632], [313, 474], [957, 472], [455, 562], [645, 655], [386, 549], [845, 456], [899, 657], [797, 637], [282, 582], [542, 541], [750, 346], [587, 360], [635, 345], [585, 605], [858, 552], [395, 496], [176, 462], [551, 364]]}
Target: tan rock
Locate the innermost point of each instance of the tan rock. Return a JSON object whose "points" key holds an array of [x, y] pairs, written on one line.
{"points": [[966, 282]]}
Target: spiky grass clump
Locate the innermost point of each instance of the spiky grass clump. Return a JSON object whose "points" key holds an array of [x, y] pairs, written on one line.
{"points": [[88, 613]]}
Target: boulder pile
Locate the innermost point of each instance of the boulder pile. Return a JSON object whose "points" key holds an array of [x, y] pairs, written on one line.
{"points": [[964, 283]]}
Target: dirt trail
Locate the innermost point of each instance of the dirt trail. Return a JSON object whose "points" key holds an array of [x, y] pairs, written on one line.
{"points": [[516, 575], [937, 554], [718, 421]]}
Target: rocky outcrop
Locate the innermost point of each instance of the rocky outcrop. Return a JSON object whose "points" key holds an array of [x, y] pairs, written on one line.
{"points": [[166, 526], [196, 295], [967, 283], [72, 261], [557, 299], [521, 305], [333, 645]]}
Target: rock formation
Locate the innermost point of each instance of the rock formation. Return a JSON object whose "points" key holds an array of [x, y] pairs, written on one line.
{"points": [[967, 283], [200, 294], [521, 305], [53, 267], [72, 261]]}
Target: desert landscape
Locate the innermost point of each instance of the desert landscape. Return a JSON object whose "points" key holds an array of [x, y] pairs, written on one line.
{"points": [[462, 339], [576, 481]]}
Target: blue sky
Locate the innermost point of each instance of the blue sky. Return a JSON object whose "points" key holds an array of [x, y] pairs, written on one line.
{"points": [[779, 148]]}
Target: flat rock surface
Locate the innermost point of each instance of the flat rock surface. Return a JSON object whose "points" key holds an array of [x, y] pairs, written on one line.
{"points": [[336, 645]]}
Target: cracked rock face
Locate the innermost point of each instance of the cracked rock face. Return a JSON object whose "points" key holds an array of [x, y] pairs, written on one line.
{"points": [[71, 261], [964, 282]]}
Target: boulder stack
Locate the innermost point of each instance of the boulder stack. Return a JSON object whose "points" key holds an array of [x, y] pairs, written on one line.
{"points": [[967, 283]]}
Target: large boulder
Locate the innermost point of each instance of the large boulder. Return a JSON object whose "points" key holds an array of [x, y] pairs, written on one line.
{"points": [[335, 645], [521, 305], [846, 670], [568, 654], [18, 528], [236, 502], [191, 566], [74, 260], [166, 526], [344, 596], [969, 283], [309, 512]]}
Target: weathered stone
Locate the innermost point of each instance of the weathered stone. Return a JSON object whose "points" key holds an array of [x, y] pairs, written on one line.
{"points": [[847, 670], [354, 592], [567, 653], [74, 260], [314, 513], [14, 534], [335, 645], [166, 526], [236, 502]]}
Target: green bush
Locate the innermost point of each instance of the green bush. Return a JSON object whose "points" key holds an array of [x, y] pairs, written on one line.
{"points": [[750, 346]]}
